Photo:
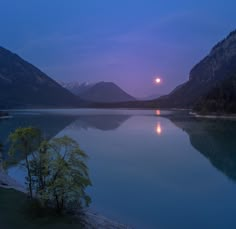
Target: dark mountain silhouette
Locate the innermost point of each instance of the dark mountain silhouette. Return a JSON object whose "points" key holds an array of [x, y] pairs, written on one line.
{"points": [[151, 97], [214, 68], [77, 88], [218, 66], [220, 100], [23, 85], [102, 92]]}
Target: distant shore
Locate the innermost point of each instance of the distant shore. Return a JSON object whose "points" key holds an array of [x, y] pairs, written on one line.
{"points": [[4, 114], [213, 116]]}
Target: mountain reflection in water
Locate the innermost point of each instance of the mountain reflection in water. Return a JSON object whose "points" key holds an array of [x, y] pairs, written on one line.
{"points": [[143, 166], [51, 125], [213, 138]]}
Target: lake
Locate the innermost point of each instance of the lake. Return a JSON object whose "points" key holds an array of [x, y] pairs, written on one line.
{"points": [[149, 168]]}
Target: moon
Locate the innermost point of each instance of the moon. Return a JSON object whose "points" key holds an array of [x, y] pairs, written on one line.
{"points": [[158, 80]]}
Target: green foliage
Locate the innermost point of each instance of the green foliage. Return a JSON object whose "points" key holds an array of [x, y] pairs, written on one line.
{"points": [[25, 141], [57, 174], [60, 175]]}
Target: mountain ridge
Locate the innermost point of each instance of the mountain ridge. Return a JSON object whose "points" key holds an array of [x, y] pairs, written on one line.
{"points": [[101, 92], [24, 85], [219, 100], [217, 66]]}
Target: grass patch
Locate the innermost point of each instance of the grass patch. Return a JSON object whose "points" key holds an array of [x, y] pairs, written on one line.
{"points": [[17, 211]]}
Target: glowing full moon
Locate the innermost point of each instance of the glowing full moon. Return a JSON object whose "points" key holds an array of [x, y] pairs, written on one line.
{"points": [[157, 80]]}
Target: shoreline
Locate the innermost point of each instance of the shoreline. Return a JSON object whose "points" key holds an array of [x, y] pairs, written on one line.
{"points": [[213, 116], [8, 182], [96, 221], [93, 220], [5, 117]]}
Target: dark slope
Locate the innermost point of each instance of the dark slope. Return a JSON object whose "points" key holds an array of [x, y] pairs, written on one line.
{"points": [[102, 92], [220, 100], [215, 67], [75, 87], [23, 85], [208, 74]]}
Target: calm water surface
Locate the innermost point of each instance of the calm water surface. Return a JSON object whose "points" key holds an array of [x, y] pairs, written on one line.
{"points": [[150, 169]]}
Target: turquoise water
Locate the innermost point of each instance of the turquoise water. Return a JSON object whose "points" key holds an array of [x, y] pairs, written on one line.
{"points": [[150, 169]]}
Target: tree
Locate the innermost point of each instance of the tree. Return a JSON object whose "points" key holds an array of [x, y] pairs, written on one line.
{"points": [[60, 175], [57, 174], [25, 141]]}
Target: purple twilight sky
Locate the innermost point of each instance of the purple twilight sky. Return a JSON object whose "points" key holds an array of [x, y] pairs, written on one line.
{"points": [[128, 42]]}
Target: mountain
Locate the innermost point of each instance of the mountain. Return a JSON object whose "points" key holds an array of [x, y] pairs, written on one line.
{"points": [[76, 88], [101, 92], [217, 66], [220, 100], [23, 85], [150, 97]]}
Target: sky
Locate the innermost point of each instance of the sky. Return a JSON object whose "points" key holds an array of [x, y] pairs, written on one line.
{"points": [[128, 42]]}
